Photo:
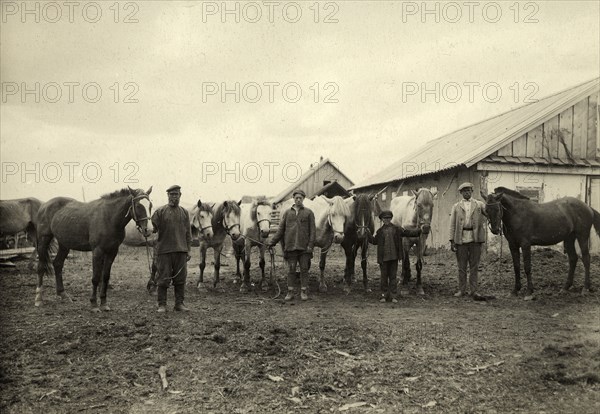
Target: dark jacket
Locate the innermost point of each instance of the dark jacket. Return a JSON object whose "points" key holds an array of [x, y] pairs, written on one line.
{"points": [[378, 239], [173, 227], [297, 230]]}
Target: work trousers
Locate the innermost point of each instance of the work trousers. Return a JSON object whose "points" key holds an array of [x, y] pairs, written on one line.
{"points": [[468, 253]]}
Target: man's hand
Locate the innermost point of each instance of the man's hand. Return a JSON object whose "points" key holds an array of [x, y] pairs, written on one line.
{"points": [[309, 250], [188, 257], [452, 245]]}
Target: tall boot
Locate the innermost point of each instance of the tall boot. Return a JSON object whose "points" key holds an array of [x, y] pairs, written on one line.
{"points": [[162, 298], [179, 297]]}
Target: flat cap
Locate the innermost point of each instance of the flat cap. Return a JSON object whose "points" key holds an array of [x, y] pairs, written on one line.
{"points": [[386, 214], [173, 188], [465, 185], [298, 191]]}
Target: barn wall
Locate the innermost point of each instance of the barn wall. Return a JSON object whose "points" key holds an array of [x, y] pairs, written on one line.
{"points": [[314, 183], [580, 138]]}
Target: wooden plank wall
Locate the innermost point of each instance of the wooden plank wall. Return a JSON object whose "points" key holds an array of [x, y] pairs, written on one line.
{"points": [[578, 125]]}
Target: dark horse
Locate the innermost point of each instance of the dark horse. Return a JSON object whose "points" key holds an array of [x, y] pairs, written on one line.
{"points": [[20, 215], [97, 226], [225, 222], [527, 224], [358, 228]]}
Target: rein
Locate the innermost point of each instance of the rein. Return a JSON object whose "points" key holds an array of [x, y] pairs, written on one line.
{"points": [[133, 213]]}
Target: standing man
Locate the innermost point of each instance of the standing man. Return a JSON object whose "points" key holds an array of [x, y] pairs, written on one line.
{"points": [[298, 230], [172, 222], [467, 233]]}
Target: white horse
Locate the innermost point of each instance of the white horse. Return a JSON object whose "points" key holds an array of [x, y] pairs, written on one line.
{"points": [[330, 220], [413, 213], [255, 225]]}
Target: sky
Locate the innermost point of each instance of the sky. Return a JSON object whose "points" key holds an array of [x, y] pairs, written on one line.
{"points": [[233, 98]]}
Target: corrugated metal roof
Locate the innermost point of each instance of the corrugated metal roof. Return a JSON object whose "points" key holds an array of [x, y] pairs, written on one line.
{"points": [[506, 159], [471, 144]]}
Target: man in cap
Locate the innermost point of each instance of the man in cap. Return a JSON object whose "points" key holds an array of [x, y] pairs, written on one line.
{"points": [[388, 239], [467, 233], [172, 222], [298, 230]]}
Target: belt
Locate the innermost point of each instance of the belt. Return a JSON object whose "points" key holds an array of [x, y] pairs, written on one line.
{"points": [[470, 229]]}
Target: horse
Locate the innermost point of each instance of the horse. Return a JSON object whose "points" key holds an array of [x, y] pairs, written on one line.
{"points": [[97, 226], [526, 223], [330, 221], [20, 215], [255, 225], [413, 213], [201, 224], [224, 222], [358, 228]]}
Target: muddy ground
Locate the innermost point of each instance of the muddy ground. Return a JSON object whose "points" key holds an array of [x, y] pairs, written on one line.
{"points": [[242, 353]]}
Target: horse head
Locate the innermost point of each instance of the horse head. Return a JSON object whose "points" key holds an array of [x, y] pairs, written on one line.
{"points": [[424, 208], [363, 215], [229, 215], [261, 214], [494, 210], [204, 216], [337, 214], [140, 210]]}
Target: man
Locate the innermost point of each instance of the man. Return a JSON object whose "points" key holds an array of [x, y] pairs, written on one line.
{"points": [[172, 222], [467, 233], [298, 230]]}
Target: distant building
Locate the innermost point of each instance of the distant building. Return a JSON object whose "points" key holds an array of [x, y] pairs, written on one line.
{"points": [[546, 150]]}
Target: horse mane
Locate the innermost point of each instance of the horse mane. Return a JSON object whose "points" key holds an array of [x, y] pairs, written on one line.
{"points": [[512, 193], [205, 207], [340, 207], [119, 193], [226, 207], [424, 189], [259, 201], [362, 202]]}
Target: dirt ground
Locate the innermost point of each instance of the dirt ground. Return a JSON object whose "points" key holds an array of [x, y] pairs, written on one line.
{"points": [[243, 353]]}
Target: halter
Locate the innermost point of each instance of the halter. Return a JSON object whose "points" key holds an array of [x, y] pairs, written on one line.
{"points": [[360, 227], [330, 222], [228, 228], [260, 221], [133, 213], [502, 208]]}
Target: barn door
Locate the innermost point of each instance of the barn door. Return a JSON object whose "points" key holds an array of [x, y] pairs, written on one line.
{"points": [[594, 202]]}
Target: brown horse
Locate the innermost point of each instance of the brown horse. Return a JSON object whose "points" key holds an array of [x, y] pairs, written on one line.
{"points": [[525, 224], [20, 215], [97, 226]]}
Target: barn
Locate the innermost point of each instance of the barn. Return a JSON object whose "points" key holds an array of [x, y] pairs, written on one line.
{"points": [[546, 150], [323, 177]]}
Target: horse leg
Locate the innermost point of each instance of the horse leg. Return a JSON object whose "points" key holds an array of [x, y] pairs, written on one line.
{"points": [[217, 257], [405, 267], [585, 258], [32, 236], [363, 264], [109, 258], [58, 264], [245, 286], [348, 269], [419, 267], [354, 254], [43, 267], [516, 258], [261, 264], [202, 265], [97, 268], [527, 264], [151, 285], [569, 245], [322, 284]]}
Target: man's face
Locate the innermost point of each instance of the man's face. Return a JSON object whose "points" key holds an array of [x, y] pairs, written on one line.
{"points": [[386, 220], [466, 193], [298, 199], [174, 197]]}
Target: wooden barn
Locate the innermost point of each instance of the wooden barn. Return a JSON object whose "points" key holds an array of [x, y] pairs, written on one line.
{"points": [[318, 180], [547, 150]]}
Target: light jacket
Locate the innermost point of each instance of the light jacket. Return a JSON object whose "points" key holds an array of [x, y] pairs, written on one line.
{"points": [[478, 222]]}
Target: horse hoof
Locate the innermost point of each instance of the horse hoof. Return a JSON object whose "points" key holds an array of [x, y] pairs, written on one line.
{"points": [[529, 297], [323, 288], [421, 292], [368, 290], [104, 308], [38, 303], [585, 292], [235, 281], [96, 309], [347, 289], [404, 293], [243, 289]]}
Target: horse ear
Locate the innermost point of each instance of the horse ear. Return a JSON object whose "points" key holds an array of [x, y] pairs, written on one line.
{"points": [[483, 194], [434, 192], [239, 203], [199, 203], [149, 191], [414, 192], [213, 206], [131, 192]]}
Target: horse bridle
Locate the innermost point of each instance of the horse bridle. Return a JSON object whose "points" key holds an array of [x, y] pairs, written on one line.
{"points": [[360, 227], [502, 208], [330, 222], [228, 228], [133, 213]]}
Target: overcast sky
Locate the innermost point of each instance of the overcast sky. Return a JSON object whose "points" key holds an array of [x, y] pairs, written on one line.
{"points": [[360, 74]]}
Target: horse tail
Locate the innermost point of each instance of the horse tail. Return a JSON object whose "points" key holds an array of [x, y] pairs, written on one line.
{"points": [[596, 221], [45, 249]]}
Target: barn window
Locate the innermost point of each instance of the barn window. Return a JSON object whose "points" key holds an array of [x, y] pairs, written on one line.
{"points": [[326, 182], [534, 193], [383, 196], [405, 193], [394, 194]]}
